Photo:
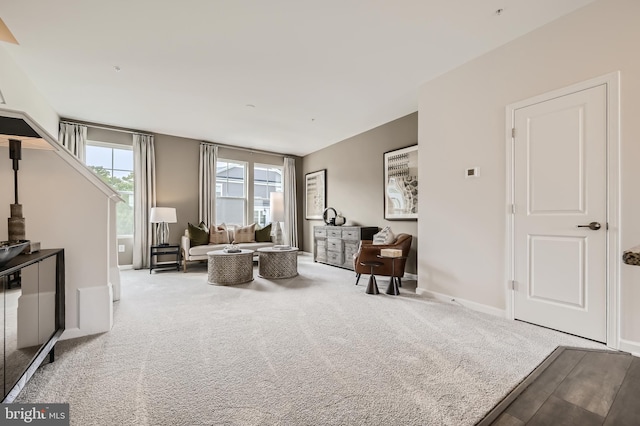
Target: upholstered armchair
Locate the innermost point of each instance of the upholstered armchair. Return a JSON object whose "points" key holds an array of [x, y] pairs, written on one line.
{"points": [[369, 252]]}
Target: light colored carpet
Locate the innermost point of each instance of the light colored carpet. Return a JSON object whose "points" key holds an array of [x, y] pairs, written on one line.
{"points": [[311, 350]]}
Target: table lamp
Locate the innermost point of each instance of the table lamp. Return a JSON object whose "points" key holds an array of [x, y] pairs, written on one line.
{"points": [[276, 204], [162, 216]]}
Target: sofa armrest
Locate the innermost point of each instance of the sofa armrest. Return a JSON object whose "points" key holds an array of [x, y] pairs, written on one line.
{"points": [[185, 245]]}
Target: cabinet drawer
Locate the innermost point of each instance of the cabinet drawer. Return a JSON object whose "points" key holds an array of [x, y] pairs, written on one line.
{"points": [[334, 244], [334, 233], [335, 257], [349, 250], [319, 232], [351, 234], [321, 244]]}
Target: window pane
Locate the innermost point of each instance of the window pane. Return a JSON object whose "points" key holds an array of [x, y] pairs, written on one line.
{"points": [[123, 159], [119, 176], [230, 178], [124, 215], [260, 191], [235, 189], [230, 211], [98, 156], [267, 179], [104, 174], [121, 173]]}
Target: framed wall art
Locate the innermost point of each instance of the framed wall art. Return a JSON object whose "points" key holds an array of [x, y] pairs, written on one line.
{"points": [[401, 184], [315, 194]]}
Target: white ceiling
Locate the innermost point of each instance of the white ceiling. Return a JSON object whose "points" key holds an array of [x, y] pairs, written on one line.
{"points": [[317, 72]]}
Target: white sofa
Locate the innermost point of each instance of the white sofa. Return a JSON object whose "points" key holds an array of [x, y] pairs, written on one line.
{"points": [[198, 253]]}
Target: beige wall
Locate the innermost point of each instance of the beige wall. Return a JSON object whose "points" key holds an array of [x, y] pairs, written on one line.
{"points": [[177, 180], [110, 136], [355, 178], [462, 124]]}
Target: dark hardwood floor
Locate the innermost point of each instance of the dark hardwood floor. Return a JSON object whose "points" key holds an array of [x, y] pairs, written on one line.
{"points": [[575, 386]]}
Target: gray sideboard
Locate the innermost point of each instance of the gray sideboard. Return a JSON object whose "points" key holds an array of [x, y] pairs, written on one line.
{"points": [[335, 245]]}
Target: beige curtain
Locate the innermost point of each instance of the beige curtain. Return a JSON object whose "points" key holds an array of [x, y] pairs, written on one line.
{"points": [[74, 138], [290, 202], [207, 183], [144, 188]]}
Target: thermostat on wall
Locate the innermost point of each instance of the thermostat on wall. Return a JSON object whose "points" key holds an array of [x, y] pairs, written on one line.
{"points": [[472, 172]]}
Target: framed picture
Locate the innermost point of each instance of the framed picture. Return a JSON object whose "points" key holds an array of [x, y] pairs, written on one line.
{"points": [[315, 193], [401, 184]]}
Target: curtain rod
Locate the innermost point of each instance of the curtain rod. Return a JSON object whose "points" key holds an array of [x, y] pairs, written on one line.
{"points": [[256, 151], [133, 132], [114, 129]]}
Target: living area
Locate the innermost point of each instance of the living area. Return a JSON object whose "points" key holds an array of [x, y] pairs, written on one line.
{"points": [[318, 347]]}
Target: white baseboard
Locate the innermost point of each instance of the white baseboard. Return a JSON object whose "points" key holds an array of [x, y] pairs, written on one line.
{"points": [[408, 276], [630, 346], [125, 267], [466, 303]]}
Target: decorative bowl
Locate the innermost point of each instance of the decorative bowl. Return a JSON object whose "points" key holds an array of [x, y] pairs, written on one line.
{"points": [[10, 249], [232, 248]]}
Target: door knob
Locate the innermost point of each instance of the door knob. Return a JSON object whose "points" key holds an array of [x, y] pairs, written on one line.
{"points": [[594, 226]]}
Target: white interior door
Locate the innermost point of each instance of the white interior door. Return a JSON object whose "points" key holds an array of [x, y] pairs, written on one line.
{"points": [[560, 160]]}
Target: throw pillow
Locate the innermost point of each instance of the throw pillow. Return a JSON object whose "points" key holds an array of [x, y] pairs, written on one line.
{"points": [[218, 234], [198, 234], [264, 235], [245, 234], [385, 236]]}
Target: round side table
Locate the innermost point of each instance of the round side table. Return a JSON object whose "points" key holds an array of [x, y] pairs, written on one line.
{"points": [[372, 287], [230, 268]]}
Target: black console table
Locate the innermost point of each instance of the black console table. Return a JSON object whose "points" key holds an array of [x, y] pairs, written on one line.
{"points": [[33, 312], [164, 250]]}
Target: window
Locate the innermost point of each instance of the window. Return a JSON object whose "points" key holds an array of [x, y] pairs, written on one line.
{"points": [[266, 179], [114, 165], [231, 198]]}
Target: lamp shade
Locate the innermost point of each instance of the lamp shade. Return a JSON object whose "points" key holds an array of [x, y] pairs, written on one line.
{"points": [[163, 214], [276, 204]]}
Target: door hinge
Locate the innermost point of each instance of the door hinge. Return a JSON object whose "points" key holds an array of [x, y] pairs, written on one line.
{"points": [[513, 209], [513, 132], [512, 284]]}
